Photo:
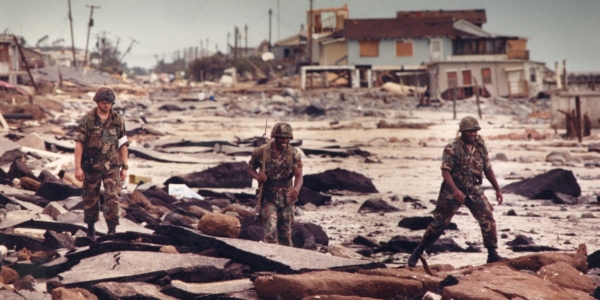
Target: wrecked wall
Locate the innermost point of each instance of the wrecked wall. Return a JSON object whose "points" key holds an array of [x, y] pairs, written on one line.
{"points": [[565, 101]]}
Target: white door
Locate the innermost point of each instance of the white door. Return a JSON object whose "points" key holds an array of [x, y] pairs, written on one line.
{"points": [[515, 79], [436, 50]]}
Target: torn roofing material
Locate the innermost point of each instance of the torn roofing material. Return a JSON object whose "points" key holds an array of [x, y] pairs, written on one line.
{"points": [[359, 29]]}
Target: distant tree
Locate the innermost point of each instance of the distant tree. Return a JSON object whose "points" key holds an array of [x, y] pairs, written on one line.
{"points": [[139, 71], [207, 68]]}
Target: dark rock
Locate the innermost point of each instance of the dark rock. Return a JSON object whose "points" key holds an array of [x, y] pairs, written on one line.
{"points": [[54, 190], [544, 186], [318, 232], [314, 109], [50, 285], [594, 260], [26, 283], [220, 203], [254, 233], [375, 205], [533, 248], [521, 240], [11, 155], [339, 179], [41, 257], [409, 199], [19, 169], [366, 241], [177, 220], [130, 290], [160, 194], [132, 265], [56, 240], [302, 237], [309, 196], [19, 241], [232, 289], [171, 107], [408, 244], [419, 223], [450, 280], [139, 216], [597, 290], [226, 175], [4, 179], [236, 271], [39, 201], [511, 213], [46, 176], [560, 198]]}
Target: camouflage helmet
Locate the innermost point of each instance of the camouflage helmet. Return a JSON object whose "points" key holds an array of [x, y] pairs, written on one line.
{"points": [[468, 123], [282, 130], [105, 94]]}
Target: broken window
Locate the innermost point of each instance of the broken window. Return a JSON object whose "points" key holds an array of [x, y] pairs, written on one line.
{"points": [[3, 53], [369, 48], [452, 80], [532, 74], [466, 77], [404, 48], [486, 75]]}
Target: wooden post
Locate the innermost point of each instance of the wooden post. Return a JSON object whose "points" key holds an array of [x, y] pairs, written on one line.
{"points": [[454, 101], [72, 38], [90, 24], [25, 63], [578, 126], [477, 98]]}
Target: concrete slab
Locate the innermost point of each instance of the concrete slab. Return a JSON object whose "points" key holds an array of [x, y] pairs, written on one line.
{"points": [[219, 290], [130, 265], [176, 158], [131, 290]]}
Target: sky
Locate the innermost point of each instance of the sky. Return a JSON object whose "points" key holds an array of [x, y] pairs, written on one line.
{"points": [[555, 29]]}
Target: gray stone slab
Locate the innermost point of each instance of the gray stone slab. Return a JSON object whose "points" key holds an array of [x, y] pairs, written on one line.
{"points": [[239, 151], [129, 265], [222, 289], [26, 205], [7, 145], [129, 290], [17, 217], [185, 149], [30, 295], [176, 158], [182, 142], [266, 257], [65, 145], [8, 295]]}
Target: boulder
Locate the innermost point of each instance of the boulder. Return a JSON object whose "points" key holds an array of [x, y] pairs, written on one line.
{"points": [[178, 220], [429, 282], [19, 169], [302, 237], [419, 223], [220, 225], [226, 175], [376, 205], [544, 186], [318, 232], [56, 240], [405, 244], [366, 241], [54, 190], [335, 283], [45, 176], [593, 260], [62, 293], [197, 211], [253, 233], [130, 290], [564, 275], [8, 275], [560, 198], [27, 283], [501, 282], [33, 140], [29, 184], [231, 289], [534, 262], [309, 196], [341, 251], [339, 179], [53, 209], [240, 210], [559, 156]]}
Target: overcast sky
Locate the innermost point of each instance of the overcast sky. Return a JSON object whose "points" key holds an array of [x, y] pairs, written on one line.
{"points": [[556, 29]]}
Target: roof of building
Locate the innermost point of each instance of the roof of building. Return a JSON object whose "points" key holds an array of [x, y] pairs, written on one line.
{"points": [[399, 28], [475, 16]]}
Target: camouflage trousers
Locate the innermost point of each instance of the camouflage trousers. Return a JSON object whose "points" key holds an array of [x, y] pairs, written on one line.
{"points": [[91, 195], [277, 217], [445, 209]]}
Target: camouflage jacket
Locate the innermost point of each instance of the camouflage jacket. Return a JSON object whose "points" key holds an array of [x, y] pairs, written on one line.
{"points": [[467, 168], [100, 140], [278, 169]]}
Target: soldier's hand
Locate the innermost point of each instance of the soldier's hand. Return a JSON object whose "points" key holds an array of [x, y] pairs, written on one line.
{"points": [[123, 174], [79, 174], [458, 196], [293, 193], [262, 177], [499, 197]]}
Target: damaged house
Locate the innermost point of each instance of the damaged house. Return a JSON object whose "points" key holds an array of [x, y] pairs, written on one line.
{"points": [[12, 68]]}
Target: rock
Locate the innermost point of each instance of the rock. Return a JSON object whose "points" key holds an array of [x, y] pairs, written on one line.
{"points": [[544, 186], [309, 196], [23, 254], [53, 209], [559, 156], [336, 297], [33, 140], [319, 234], [130, 290], [220, 203], [366, 241], [220, 225], [42, 257], [419, 223], [54, 190], [408, 244], [302, 237], [588, 216], [19, 169], [231, 289], [560, 198], [139, 216], [253, 233], [564, 275], [534, 262], [429, 282], [29, 184], [26, 283], [226, 175], [533, 248], [58, 240], [240, 210], [45, 176], [8, 275], [375, 205], [129, 265], [12, 207], [178, 220], [11, 155], [335, 283], [309, 207], [521, 240], [168, 249], [62, 293], [197, 211], [339, 179], [341, 251], [500, 157], [500, 282], [593, 260]]}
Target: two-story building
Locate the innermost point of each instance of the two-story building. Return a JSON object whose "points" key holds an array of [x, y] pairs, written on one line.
{"points": [[12, 66]]}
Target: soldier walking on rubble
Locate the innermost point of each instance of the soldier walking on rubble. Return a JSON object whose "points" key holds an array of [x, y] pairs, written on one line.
{"points": [[280, 163], [464, 163], [101, 157]]}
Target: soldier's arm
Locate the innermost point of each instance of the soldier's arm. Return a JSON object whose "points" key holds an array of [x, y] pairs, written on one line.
{"points": [[253, 164], [491, 176], [458, 195], [78, 155]]}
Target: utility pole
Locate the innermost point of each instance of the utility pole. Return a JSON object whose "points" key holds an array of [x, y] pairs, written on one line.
{"points": [[235, 45], [270, 14], [201, 48], [128, 49], [72, 38], [310, 29], [246, 40], [90, 24], [207, 52], [227, 46]]}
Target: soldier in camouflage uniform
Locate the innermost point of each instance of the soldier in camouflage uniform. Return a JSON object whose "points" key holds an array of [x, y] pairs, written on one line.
{"points": [[464, 163], [281, 163], [101, 157]]}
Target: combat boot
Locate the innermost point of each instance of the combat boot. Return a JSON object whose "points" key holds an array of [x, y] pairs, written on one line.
{"points": [[91, 232], [414, 257], [493, 255], [112, 227]]}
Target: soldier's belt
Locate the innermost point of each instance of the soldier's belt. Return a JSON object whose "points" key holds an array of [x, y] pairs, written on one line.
{"points": [[277, 184]]}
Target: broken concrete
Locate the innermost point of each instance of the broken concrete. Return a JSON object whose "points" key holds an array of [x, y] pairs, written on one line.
{"points": [[419, 223], [226, 175], [339, 179], [544, 186], [232, 289], [130, 290]]}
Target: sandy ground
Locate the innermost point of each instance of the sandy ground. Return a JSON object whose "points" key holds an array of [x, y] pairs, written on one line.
{"points": [[411, 167]]}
